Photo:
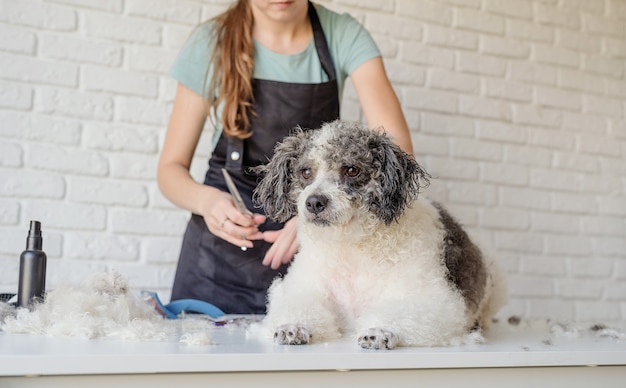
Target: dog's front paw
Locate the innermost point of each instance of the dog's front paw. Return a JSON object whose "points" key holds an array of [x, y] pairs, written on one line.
{"points": [[291, 335], [378, 339]]}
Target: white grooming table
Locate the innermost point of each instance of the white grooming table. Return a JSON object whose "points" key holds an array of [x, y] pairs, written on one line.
{"points": [[514, 356]]}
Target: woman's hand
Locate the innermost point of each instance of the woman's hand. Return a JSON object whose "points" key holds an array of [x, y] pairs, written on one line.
{"points": [[225, 221], [285, 244]]}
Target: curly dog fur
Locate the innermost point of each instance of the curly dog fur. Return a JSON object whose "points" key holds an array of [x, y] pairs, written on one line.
{"points": [[374, 260]]}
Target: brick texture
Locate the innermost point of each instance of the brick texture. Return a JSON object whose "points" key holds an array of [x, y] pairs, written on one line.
{"points": [[517, 107]]}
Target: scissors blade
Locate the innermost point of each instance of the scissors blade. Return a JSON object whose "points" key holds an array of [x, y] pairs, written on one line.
{"points": [[235, 193]]}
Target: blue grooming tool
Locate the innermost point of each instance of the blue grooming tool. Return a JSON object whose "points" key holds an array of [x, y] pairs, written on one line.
{"points": [[173, 309]]}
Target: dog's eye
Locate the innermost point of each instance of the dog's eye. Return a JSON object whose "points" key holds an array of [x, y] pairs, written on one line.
{"points": [[306, 173], [352, 171]]}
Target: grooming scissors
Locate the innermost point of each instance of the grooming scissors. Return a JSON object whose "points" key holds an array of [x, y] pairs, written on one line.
{"points": [[235, 193], [236, 196]]}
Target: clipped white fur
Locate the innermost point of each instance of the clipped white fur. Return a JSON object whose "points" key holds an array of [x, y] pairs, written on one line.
{"points": [[103, 307]]}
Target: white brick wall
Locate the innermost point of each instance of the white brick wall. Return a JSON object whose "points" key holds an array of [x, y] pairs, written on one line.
{"points": [[517, 107]]}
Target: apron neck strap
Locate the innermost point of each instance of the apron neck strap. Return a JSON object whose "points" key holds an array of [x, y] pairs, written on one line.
{"points": [[320, 43]]}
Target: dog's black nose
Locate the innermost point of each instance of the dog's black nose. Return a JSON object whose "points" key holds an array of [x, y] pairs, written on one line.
{"points": [[316, 203]]}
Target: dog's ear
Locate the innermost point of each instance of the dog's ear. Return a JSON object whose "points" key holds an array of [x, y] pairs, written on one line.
{"points": [[273, 193], [400, 179]]}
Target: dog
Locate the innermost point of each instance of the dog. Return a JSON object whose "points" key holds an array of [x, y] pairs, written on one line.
{"points": [[374, 260]]}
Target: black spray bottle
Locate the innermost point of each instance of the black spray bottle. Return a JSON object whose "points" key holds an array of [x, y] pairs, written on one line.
{"points": [[32, 281]]}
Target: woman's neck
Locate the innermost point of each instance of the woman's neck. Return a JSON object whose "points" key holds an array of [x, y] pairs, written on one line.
{"points": [[283, 32]]}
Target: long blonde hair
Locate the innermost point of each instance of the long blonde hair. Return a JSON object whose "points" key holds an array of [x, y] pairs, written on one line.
{"points": [[233, 66]]}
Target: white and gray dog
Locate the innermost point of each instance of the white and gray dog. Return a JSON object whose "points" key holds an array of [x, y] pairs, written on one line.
{"points": [[374, 260]]}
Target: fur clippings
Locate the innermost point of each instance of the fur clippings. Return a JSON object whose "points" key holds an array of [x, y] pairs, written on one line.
{"points": [[375, 261], [6, 311], [553, 329], [103, 307]]}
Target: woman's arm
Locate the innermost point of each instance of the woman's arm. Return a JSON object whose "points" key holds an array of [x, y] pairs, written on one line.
{"points": [[218, 209], [380, 103], [183, 132]]}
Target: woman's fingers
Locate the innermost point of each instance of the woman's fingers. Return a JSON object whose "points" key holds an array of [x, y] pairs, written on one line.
{"points": [[284, 245], [228, 223]]}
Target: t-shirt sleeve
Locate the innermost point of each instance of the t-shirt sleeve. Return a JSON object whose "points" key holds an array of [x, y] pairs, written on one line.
{"points": [[351, 44], [191, 65]]}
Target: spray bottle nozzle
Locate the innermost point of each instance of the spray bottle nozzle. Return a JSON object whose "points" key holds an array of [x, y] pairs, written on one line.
{"points": [[34, 240], [35, 228]]}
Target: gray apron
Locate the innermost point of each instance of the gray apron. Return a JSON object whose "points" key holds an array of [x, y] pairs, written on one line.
{"points": [[211, 269]]}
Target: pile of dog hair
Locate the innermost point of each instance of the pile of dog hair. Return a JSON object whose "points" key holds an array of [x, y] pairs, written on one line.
{"points": [[103, 307]]}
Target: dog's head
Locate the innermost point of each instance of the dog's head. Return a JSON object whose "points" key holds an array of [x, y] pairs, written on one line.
{"points": [[330, 175]]}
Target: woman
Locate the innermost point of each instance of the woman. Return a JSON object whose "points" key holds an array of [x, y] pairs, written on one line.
{"points": [[256, 71]]}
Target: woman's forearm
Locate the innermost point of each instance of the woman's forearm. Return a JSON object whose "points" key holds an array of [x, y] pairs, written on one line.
{"points": [[183, 132], [181, 189]]}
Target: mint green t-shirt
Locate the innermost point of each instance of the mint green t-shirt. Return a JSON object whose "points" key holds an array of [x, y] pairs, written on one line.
{"points": [[350, 45]]}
